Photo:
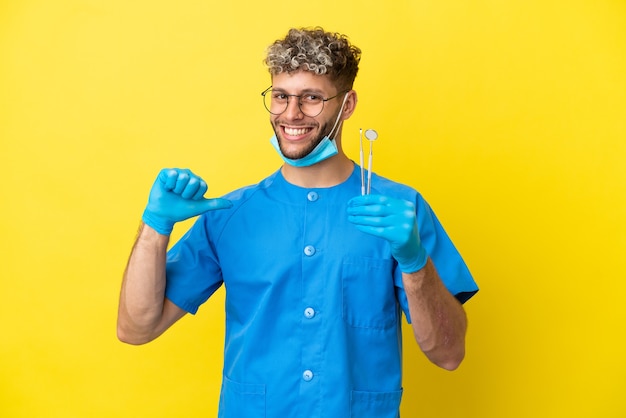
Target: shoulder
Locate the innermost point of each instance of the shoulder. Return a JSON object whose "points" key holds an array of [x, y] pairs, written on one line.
{"points": [[241, 195], [240, 198]]}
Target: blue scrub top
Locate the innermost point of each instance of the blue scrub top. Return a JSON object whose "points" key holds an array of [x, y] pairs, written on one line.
{"points": [[313, 306]]}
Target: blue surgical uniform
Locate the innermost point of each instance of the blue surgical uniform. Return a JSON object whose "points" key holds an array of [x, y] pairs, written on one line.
{"points": [[313, 306]]}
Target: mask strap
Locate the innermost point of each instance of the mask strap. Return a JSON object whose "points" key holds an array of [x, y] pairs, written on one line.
{"points": [[337, 123]]}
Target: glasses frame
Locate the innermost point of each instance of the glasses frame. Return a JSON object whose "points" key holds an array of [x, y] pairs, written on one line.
{"points": [[299, 96]]}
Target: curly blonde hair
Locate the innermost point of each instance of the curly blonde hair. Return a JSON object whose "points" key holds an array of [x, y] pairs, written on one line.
{"points": [[318, 51]]}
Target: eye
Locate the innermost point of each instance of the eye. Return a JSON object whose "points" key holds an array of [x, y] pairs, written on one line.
{"points": [[279, 96], [311, 98]]}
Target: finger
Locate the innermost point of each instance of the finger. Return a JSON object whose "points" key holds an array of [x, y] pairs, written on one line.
{"points": [[214, 204], [365, 200], [191, 188], [383, 201], [168, 178], [201, 190], [372, 230], [375, 222], [372, 209], [181, 182], [380, 206], [368, 210], [373, 201]]}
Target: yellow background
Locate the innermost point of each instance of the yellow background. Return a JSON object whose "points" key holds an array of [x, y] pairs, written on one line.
{"points": [[509, 116]]}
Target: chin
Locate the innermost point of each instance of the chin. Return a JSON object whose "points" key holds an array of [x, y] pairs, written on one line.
{"points": [[297, 152]]}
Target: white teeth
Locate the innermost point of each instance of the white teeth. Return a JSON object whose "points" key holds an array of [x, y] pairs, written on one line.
{"points": [[296, 132]]}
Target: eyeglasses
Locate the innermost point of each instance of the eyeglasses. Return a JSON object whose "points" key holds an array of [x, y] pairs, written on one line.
{"points": [[310, 104]]}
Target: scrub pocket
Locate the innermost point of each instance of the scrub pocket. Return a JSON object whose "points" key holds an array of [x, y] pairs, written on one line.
{"points": [[375, 404], [368, 293], [241, 400]]}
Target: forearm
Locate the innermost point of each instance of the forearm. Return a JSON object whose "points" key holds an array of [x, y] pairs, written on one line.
{"points": [[438, 319], [143, 288]]}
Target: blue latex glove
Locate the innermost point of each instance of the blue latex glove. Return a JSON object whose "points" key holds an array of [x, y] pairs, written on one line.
{"points": [[176, 195], [393, 220]]}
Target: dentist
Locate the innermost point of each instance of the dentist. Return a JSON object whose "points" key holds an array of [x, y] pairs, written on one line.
{"points": [[317, 277]]}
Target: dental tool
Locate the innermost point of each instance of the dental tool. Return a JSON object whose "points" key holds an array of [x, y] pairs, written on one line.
{"points": [[361, 155], [371, 136]]}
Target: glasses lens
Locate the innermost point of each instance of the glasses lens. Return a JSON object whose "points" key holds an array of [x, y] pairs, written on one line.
{"points": [[311, 104], [276, 103]]}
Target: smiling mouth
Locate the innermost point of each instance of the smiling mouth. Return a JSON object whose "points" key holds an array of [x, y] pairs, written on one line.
{"points": [[296, 132]]}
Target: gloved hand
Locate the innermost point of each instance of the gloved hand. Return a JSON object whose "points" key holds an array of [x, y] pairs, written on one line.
{"points": [[176, 195], [393, 220]]}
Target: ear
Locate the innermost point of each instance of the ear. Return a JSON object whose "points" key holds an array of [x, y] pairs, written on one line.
{"points": [[350, 106]]}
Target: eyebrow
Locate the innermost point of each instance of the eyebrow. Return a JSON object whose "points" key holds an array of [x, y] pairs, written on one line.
{"points": [[313, 90]]}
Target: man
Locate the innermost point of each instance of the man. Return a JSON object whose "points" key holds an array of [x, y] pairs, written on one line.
{"points": [[317, 275]]}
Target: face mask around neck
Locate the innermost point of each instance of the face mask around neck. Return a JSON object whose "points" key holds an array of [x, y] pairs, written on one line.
{"points": [[325, 149]]}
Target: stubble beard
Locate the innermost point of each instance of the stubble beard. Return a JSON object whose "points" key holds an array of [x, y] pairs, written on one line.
{"points": [[306, 151]]}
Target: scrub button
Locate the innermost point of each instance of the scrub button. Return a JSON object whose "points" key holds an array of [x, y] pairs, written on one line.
{"points": [[307, 375], [309, 313], [309, 250], [312, 196]]}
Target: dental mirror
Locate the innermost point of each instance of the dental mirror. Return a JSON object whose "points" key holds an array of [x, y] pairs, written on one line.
{"points": [[371, 134]]}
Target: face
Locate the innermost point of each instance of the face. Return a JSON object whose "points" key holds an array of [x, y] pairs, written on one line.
{"points": [[298, 134]]}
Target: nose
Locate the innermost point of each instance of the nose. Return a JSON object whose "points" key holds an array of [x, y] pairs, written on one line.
{"points": [[293, 109]]}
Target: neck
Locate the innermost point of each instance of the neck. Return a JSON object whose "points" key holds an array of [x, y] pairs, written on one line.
{"points": [[328, 173]]}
